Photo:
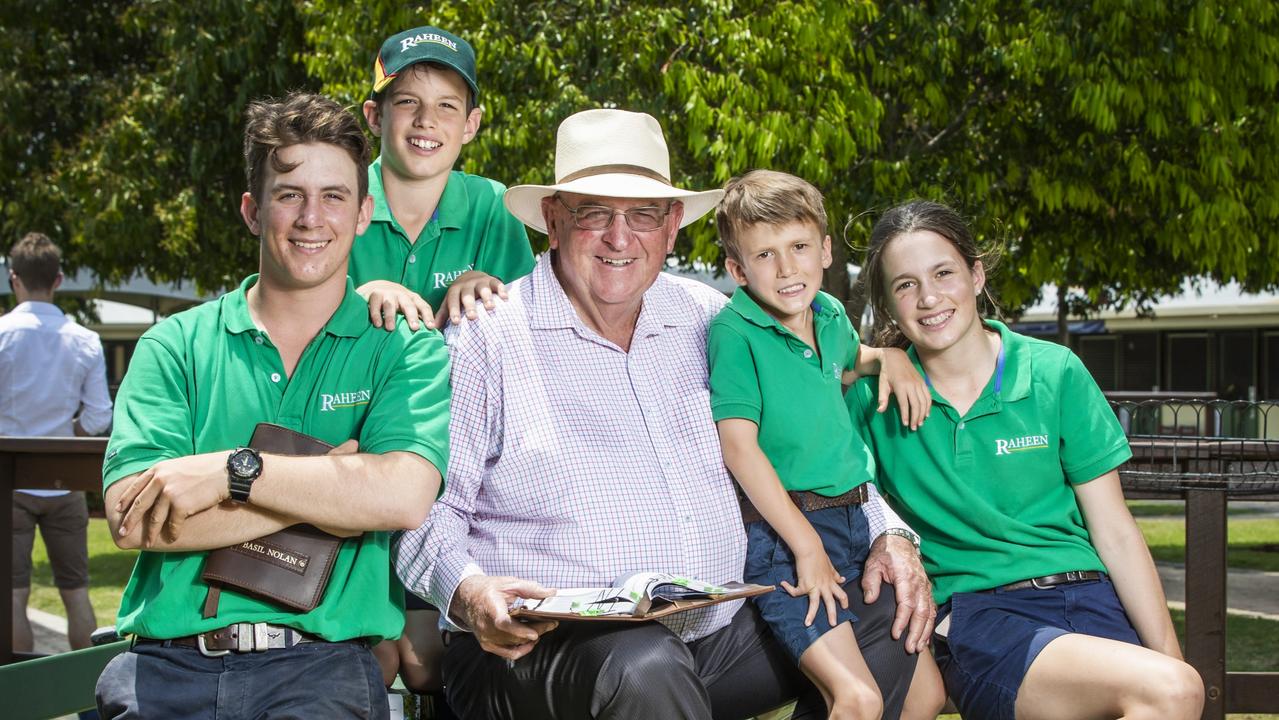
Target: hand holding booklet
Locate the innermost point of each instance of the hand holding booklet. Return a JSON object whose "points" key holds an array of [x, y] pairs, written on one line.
{"points": [[638, 596]]}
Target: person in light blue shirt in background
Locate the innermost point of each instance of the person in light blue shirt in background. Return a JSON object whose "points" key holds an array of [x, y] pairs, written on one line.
{"points": [[53, 383]]}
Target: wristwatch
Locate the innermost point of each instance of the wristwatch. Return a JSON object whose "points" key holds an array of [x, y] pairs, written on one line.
{"points": [[243, 466], [903, 532]]}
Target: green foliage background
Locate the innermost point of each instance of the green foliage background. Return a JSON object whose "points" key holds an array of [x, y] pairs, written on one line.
{"points": [[1111, 147]]}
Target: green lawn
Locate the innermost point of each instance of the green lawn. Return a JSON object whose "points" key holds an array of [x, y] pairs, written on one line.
{"points": [[109, 569], [1253, 543], [1177, 509]]}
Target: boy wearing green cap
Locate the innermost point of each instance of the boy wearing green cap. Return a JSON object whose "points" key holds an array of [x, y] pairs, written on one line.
{"points": [[439, 238]]}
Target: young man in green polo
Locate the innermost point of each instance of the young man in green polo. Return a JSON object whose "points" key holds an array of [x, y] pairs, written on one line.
{"points": [[440, 239], [291, 346]]}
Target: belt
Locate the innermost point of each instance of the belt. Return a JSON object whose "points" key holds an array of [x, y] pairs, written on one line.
{"points": [[806, 502], [1048, 581], [240, 638]]}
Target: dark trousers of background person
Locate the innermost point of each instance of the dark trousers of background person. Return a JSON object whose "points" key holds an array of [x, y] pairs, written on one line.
{"points": [[643, 670]]}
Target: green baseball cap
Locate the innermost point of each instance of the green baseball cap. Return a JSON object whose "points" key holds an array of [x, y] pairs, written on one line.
{"points": [[424, 44]]}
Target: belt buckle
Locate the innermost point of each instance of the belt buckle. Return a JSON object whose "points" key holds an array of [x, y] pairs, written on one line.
{"points": [[1035, 582], [205, 651], [262, 636]]}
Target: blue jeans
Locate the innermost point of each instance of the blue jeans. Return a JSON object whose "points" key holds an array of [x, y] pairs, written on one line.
{"points": [[310, 680]]}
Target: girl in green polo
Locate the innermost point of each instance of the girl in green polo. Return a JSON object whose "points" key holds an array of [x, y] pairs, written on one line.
{"points": [[1049, 604]]}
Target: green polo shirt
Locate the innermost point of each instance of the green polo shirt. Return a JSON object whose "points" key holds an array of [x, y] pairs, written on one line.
{"points": [[762, 372], [991, 493], [201, 380], [470, 230]]}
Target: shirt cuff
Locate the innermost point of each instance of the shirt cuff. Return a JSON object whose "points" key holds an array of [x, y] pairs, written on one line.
{"points": [[447, 582], [879, 516]]}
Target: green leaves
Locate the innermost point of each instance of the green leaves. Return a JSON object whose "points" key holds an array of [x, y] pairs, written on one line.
{"points": [[1113, 147]]}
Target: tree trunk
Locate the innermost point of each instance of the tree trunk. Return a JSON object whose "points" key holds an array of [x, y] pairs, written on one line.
{"points": [[836, 280], [1063, 324]]}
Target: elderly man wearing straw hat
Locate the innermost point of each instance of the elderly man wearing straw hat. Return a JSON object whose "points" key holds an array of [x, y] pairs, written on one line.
{"points": [[583, 448]]}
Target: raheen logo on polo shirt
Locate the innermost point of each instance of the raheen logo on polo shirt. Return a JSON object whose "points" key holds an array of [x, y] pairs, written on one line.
{"points": [[1019, 444], [444, 279], [407, 43], [340, 401]]}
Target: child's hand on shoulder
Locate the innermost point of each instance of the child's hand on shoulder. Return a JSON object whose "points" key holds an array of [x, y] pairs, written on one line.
{"points": [[469, 287], [387, 299], [820, 582]]}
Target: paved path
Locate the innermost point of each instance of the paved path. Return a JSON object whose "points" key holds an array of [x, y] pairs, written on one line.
{"points": [[50, 632], [1248, 592]]}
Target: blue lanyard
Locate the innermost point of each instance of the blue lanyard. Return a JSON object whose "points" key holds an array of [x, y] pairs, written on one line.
{"points": [[999, 372]]}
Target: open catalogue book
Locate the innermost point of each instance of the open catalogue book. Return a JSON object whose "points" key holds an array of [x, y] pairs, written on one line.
{"points": [[638, 596]]}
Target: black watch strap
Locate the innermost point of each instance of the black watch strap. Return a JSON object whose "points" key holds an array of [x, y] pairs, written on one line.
{"points": [[243, 466]]}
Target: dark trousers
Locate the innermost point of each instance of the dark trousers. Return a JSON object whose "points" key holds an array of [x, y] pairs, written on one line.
{"points": [[307, 681], [638, 670]]}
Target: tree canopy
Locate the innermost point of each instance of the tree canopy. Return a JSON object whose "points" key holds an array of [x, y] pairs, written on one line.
{"points": [[1112, 148]]}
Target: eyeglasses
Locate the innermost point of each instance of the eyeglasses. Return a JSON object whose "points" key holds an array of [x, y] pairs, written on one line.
{"points": [[600, 217]]}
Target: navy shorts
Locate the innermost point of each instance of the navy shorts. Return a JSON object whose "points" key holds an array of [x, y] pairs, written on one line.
{"points": [[995, 636], [845, 536]]}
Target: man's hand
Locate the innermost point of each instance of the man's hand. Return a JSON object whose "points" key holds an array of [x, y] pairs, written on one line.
{"points": [[468, 287], [894, 560], [898, 376], [163, 496], [387, 299], [482, 604]]}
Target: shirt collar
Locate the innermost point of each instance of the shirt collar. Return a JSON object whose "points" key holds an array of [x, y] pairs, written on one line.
{"points": [[745, 305], [450, 212], [663, 305], [381, 210], [1016, 381], [36, 307], [350, 319], [1017, 377]]}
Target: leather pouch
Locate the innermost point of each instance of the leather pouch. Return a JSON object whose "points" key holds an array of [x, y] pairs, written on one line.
{"points": [[290, 567]]}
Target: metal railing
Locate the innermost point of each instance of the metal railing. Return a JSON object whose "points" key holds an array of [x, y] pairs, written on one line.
{"points": [[1207, 452]]}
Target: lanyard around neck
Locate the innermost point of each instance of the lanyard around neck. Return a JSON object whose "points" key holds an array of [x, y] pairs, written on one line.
{"points": [[999, 371]]}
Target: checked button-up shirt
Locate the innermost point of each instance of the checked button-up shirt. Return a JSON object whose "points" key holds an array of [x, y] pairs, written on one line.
{"points": [[574, 462]]}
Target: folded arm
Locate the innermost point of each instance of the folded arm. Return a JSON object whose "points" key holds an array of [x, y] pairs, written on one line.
{"points": [[344, 493]]}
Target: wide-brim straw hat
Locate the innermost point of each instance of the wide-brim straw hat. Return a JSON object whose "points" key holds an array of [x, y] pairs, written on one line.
{"points": [[610, 153]]}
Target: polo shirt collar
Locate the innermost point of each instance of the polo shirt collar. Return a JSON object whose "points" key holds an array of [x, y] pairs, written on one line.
{"points": [[745, 305], [381, 209], [450, 212], [1016, 381], [350, 319], [663, 304], [1017, 376]]}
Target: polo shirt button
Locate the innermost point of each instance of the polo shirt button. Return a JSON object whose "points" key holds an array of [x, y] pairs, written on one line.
{"points": [[412, 259], [258, 339], [275, 377], [961, 426], [808, 354]]}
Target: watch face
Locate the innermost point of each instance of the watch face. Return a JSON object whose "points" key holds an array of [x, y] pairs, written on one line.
{"points": [[244, 464]]}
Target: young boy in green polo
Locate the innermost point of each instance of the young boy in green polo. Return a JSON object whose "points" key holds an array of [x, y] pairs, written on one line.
{"points": [[778, 353], [440, 238]]}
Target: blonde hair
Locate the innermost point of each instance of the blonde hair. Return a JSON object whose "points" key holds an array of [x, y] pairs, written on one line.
{"points": [[766, 197]]}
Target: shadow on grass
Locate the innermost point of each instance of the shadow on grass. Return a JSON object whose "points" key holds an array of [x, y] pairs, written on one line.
{"points": [[111, 568]]}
